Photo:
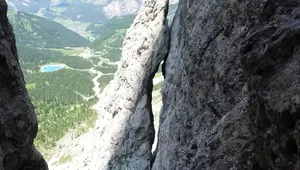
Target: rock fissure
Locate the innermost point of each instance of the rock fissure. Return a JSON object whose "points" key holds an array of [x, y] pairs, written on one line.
{"points": [[231, 94], [210, 41]]}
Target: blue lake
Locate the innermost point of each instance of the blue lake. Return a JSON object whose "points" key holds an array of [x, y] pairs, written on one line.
{"points": [[52, 68]]}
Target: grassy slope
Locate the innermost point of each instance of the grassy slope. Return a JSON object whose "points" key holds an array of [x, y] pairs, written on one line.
{"points": [[111, 36], [40, 32]]}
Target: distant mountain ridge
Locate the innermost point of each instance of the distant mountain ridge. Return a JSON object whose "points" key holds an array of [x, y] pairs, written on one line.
{"points": [[40, 32], [78, 15], [79, 10]]}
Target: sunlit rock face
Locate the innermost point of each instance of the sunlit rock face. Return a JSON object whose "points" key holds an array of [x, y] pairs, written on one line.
{"points": [[125, 130], [18, 123], [231, 96], [231, 92], [119, 8]]}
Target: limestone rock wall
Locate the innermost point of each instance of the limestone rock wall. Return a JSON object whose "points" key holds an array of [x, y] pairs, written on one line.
{"points": [[231, 97], [18, 123], [124, 131]]}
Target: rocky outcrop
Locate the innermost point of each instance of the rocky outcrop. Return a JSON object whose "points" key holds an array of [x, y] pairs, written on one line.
{"points": [[18, 123], [124, 132], [125, 7], [231, 98], [122, 7]]}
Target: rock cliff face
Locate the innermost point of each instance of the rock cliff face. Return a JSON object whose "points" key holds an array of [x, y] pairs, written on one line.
{"points": [[231, 98], [231, 94], [18, 123], [125, 124], [121, 7]]}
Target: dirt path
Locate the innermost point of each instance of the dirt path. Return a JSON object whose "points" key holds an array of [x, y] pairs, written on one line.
{"points": [[71, 150], [96, 87]]}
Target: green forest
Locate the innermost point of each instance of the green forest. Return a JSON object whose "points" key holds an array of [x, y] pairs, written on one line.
{"points": [[33, 58], [40, 32], [63, 99], [111, 36], [111, 26], [59, 107]]}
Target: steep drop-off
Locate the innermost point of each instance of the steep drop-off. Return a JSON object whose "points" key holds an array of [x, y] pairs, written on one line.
{"points": [[18, 123], [230, 99], [231, 92]]}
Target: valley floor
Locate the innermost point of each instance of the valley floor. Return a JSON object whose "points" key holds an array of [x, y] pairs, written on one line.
{"points": [[72, 151]]}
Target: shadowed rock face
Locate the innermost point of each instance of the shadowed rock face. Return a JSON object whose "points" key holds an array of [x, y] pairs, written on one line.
{"points": [[231, 98], [18, 123]]}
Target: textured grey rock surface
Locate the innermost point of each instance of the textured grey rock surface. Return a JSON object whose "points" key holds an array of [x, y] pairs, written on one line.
{"points": [[124, 131], [231, 98], [18, 123]]}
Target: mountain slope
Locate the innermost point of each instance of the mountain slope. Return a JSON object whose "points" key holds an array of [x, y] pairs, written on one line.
{"points": [[98, 10], [111, 36], [112, 33], [40, 32], [79, 10], [77, 15]]}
